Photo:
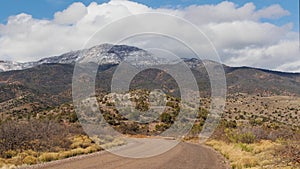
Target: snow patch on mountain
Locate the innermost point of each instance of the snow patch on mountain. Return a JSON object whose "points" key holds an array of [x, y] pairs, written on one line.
{"points": [[102, 55]]}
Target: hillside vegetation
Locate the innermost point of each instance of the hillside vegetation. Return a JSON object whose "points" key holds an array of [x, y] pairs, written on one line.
{"points": [[38, 121]]}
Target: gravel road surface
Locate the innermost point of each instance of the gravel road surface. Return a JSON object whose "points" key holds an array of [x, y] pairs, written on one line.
{"points": [[182, 156]]}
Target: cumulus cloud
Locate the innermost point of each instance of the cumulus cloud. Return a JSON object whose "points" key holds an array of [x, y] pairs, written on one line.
{"points": [[272, 12], [278, 56], [228, 12], [239, 34], [236, 31], [71, 15]]}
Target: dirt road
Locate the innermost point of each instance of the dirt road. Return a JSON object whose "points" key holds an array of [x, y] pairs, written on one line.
{"points": [[182, 156]]}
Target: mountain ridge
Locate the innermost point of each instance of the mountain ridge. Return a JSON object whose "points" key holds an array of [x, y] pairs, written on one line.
{"points": [[50, 82], [110, 54], [121, 52]]}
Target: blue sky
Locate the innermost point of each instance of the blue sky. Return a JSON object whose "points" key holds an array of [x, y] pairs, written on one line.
{"points": [[46, 8]]}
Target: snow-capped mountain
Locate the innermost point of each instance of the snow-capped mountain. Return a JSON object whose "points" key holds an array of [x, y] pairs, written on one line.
{"points": [[67, 58], [8, 65], [115, 54], [102, 54]]}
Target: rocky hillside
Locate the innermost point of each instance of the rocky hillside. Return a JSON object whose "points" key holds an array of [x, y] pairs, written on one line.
{"points": [[49, 82]]}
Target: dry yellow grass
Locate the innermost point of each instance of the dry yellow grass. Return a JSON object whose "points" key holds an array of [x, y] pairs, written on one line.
{"points": [[2, 162], [92, 149], [81, 142], [114, 143], [30, 160], [46, 157], [7, 166], [80, 145], [254, 156]]}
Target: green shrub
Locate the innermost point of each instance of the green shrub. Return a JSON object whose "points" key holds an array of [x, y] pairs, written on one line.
{"points": [[161, 127], [245, 147], [196, 129], [166, 118], [247, 138], [236, 136]]}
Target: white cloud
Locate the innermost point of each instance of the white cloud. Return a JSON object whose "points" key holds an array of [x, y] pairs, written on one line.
{"points": [[272, 12], [229, 12], [237, 32], [273, 56], [71, 15], [290, 66]]}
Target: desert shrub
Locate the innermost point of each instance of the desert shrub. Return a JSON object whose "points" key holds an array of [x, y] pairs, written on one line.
{"points": [[81, 142], [236, 136], [260, 133], [110, 118], [32, 153], [246, 162], [37, 135], [246, 138], [256, 121], [259, 146], [131, 128], [142, 105], [30, 160], [65, 154], [203, 113], [195, 131], [172, 104], [282, 133], [166, 118], [251, 134], [161, 127], [230, 124], [72, 153], [245, 147], [73, 117], [9, 154], [113, 143], [92, 148], [289, 152], [46, 157], [77, 151], [232, 152]]}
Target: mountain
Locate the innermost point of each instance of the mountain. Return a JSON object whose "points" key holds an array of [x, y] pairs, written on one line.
{"points": [[48, 82], [110, 54], [265, 82], [8, 65]]}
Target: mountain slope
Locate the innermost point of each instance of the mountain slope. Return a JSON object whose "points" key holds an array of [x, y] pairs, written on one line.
{"points": [[252, 80], [49, 82], [110, 54]]}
